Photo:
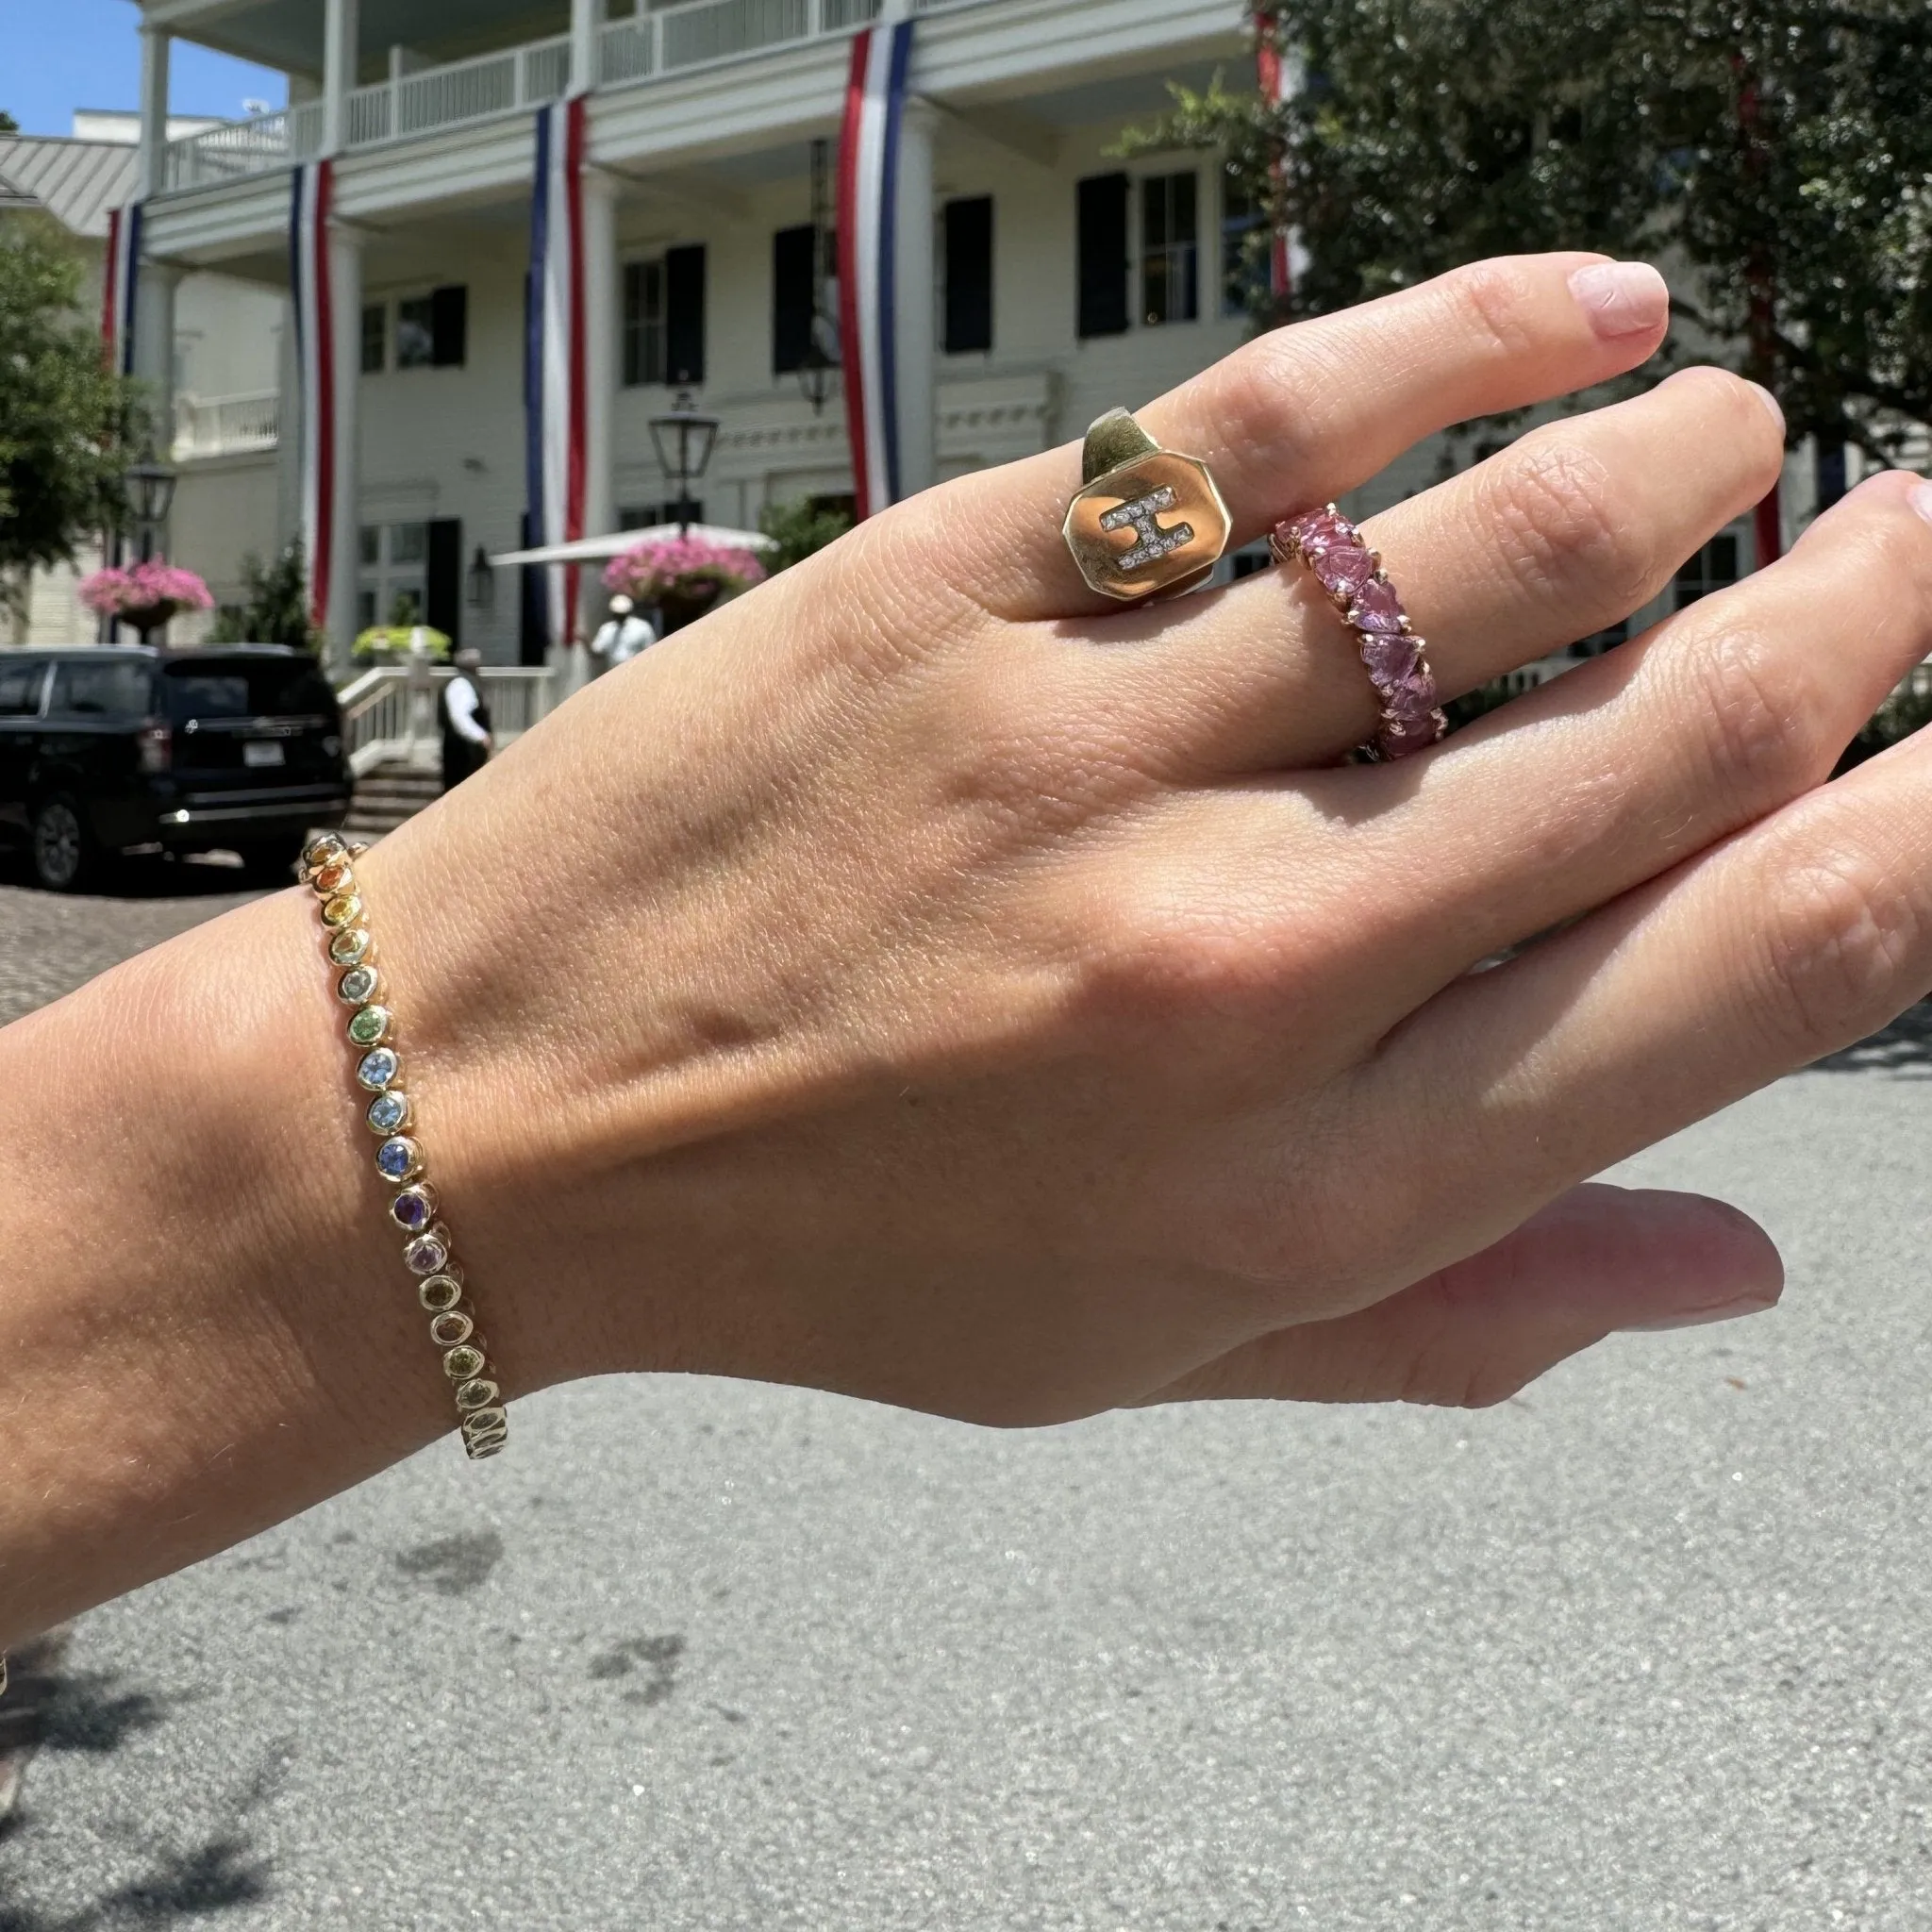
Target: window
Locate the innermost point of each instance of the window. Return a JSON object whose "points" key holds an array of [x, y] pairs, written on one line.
{"points": [[795, 297], [646, 516], [431, 330], [1711, 569], [394, 588], [246, 688], [1169, 290], [1102, 244], [664, 318], [1243, 258], [968, 267], [643, 323], [109, 688], [20, 688], [375, 338]]}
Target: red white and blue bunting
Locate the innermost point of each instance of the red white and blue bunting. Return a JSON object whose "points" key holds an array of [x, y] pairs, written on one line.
{"points": [[554, 400], [120, 284], [1280, 77], [312, 196], [868, 223]]}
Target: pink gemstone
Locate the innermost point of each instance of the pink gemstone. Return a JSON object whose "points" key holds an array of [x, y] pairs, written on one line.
{"points": [[1410, 697], [1315, 531], [1390, 659], [1376, 608], [1403, 736], [1342, 571]]}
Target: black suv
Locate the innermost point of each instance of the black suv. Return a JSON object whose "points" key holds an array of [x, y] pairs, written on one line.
{"points": [[109, 749]]}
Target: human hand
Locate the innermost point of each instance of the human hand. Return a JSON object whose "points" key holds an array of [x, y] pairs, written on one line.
{"points": [[921, 981]]}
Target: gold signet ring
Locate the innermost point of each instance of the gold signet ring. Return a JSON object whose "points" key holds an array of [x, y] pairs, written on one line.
{"points": [[1147, 520]]}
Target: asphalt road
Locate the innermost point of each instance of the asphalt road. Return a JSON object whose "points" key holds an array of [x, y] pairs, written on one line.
{"points": [[1647, 1647]]}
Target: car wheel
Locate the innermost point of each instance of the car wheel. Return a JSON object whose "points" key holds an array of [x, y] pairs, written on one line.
{"points": [[63, 852]]}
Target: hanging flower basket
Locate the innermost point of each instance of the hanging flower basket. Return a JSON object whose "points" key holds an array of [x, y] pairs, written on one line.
{"points": [[683, 575], [145, 595]]}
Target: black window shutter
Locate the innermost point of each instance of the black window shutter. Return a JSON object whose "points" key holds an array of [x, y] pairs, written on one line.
{"points": [[791, 298], [443, 580], [969, 274], [1103, 247], [684, 314], [449, 324], [533, 620]]}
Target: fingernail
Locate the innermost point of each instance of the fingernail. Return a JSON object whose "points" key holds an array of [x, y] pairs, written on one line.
{"points": [[1621, 298], [1921, 500], [1770, 402], [1698, 1318]]}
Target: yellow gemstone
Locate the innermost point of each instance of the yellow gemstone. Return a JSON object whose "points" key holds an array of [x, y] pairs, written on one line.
{"points": [[324, 849], [464, 1362], [344, 909], [441, 1292]]}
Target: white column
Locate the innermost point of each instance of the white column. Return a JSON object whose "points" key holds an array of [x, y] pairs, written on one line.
{"points": [[345, 279], [586, 16], [288, 431], [600, 358], [339, 44], [153, 175], [917, 301]]}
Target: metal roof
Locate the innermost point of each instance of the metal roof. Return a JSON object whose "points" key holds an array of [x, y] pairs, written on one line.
{"points": [[77, 182]]}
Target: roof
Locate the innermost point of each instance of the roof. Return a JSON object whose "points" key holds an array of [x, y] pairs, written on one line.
{"points": [[77, 182]]}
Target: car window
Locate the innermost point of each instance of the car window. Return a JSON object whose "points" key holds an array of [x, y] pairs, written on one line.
{"points": [[114, 687], [246, 688], [20, 688]]}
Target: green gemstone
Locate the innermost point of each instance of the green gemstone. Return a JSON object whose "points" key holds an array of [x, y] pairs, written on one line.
{"points": [[349, 946], [369, 1026]]}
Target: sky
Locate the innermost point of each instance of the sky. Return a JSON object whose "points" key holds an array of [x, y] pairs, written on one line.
{"points": [[59, 55]]}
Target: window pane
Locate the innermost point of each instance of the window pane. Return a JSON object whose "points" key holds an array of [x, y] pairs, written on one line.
{"points": [[115, 688], [1168, 291], [1243, 254], [20, 688], [375, 337], [246, 688], [794, 261], [416, 332], [1101, 222], [1711, 569], [369, 539], [409, 542], [643, 323], [969, 274]]}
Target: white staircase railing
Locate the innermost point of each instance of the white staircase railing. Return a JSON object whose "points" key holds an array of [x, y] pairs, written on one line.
{"points": [[390, 712], [225, 425]]}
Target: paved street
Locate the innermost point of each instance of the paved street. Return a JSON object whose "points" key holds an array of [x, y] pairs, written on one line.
{"points": [[1647, 1647]]}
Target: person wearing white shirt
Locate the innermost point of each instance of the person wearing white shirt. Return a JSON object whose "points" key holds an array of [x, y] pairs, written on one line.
{"points": [[466, 740], [623, 635]]}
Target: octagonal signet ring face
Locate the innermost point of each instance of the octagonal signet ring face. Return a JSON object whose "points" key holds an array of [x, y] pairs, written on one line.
{"points": [[1155, 524]]}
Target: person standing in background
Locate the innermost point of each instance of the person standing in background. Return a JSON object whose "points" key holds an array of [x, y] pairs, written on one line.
{"points": [[623, 635], [465, 720]]}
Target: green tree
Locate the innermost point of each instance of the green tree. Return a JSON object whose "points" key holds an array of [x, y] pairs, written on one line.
{"points": [[8, 123], [1775, 156], [798, 527], [64, 418], [274, 608]]}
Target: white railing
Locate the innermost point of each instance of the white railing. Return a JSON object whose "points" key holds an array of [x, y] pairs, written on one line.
{"points": [[225, 425], [245, 148], [672, 39], [390, 714], [466, 91]]}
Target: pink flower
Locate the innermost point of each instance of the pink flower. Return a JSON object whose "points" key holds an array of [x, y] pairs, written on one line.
{"points": [[650, 570], [119, 590]]}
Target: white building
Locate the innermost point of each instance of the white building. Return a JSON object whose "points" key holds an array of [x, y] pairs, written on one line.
{"points": [[214, 368]]}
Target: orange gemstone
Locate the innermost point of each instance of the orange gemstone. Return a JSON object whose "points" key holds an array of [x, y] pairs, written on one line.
{"points": [[332, 878]]}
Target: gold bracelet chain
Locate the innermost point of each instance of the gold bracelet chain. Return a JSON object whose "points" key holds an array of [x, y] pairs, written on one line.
{"points": [[427, 1253]]}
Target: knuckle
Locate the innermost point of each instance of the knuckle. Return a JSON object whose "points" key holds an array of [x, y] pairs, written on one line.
{"points": [[1840, 939], [1762, 736], [1494, 305], [1566, 523]]}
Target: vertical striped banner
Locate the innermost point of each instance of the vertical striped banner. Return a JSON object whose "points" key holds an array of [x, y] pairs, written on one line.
{"points": [[120, 285], [312, 196], [868, 221], [555, 390], [1281, 77]]}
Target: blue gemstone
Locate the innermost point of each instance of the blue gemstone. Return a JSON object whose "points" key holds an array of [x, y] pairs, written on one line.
{"points": [[395, 1158], [378, 1067], [411, 1211], [387, 1111]]}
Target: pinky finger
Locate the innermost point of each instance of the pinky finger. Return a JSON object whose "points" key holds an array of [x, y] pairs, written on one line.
{"points": [[1597, 1260]]}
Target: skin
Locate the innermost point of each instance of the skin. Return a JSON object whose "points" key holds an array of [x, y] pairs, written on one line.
{"points": [[920, 981]]}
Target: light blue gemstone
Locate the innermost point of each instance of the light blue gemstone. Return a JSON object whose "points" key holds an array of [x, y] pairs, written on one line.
{"points": [[387, 1111], [377, 1068], [395, 1158]]}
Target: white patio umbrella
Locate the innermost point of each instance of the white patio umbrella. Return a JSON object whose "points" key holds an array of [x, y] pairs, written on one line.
{"points": [[602, 549]]}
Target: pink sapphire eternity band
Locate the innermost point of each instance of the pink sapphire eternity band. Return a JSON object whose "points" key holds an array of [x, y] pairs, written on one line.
{"points": [[1351, 572]]}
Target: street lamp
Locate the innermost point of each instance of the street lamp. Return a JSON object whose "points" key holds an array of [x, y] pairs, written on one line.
{"points": [[683, 439], [482, 586], [150, 491]]}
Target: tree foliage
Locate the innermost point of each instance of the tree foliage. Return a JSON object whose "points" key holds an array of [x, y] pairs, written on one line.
{"points": [[274, 608], [1774, 155], [64, 417], [8, 123], [798, 527]]}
